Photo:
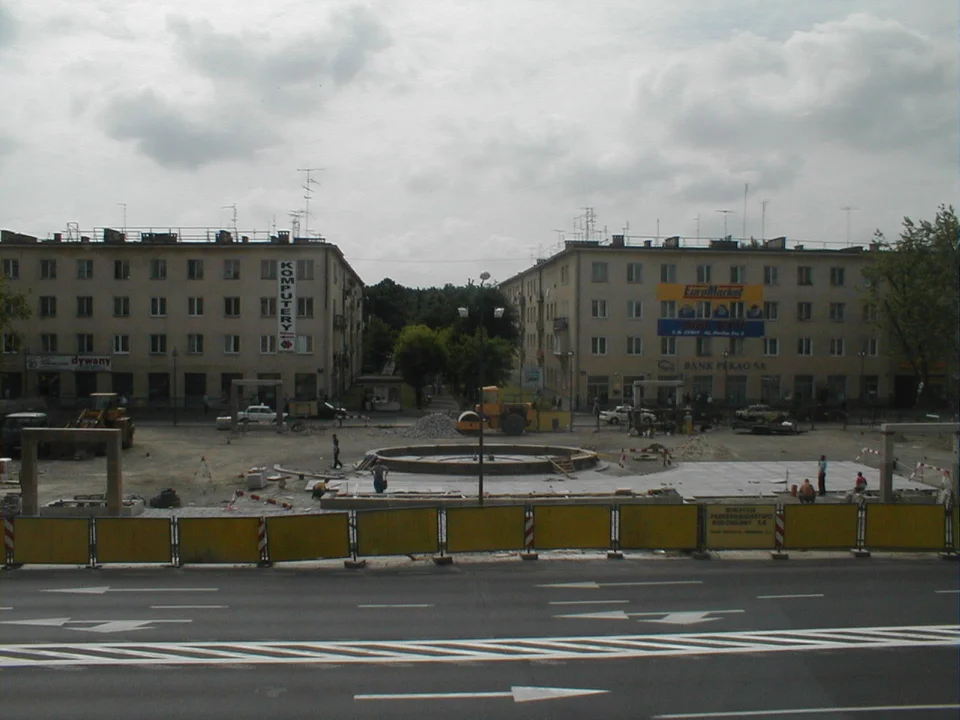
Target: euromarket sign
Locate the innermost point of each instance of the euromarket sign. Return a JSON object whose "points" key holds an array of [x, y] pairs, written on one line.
{"points": [[70, 363], [707, 310]]}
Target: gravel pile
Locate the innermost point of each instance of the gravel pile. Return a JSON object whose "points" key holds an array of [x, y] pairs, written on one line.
{"points": [[700, 449], [436, 425]]}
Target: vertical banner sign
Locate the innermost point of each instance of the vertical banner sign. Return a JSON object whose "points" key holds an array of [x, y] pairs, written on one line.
{"points": [[287, 305]]}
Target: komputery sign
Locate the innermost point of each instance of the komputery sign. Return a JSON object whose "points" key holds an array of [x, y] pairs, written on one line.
{"points": [[287, 305]]}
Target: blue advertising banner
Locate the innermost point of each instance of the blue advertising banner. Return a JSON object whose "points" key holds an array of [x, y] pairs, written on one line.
{"points": [[710, 328]]}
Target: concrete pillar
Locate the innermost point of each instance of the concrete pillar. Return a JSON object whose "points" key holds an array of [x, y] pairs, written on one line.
{"points": [[29, 493], [886, 467], [114, 475]]}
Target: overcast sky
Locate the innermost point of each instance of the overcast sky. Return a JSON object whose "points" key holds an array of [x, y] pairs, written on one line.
{"points": [[457, 135]]}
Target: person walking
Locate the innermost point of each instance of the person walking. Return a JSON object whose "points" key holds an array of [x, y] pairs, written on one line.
{"points": [[379, 472], [822, 475], [336, 453], [596, 411]]}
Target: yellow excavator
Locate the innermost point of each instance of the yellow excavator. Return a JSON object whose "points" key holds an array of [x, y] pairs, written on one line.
{"points": [[508, 418], [107, 413]]}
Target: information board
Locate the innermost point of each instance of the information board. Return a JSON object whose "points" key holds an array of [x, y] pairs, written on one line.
{"points": [[740, 526]]}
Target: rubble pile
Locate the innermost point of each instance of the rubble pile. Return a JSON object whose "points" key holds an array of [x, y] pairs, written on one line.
{"points": [[699, 448], [435, 425]]}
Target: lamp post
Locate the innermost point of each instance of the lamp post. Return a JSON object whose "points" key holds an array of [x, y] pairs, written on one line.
{"points": [[726, 382], [498, 313], [175, 356]]}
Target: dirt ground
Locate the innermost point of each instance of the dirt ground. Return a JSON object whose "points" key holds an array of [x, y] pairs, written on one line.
{"points": [[206, 466]]}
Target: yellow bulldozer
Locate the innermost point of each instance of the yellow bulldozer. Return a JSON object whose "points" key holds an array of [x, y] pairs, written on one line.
{"points": [[107, 413], [508, 418]]}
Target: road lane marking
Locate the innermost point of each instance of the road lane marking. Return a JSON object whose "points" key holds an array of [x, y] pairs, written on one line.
{"points": [[6, 608], [188, 607], [947, 592], [518, 693], [387, 652], [682, 617], [105, 589], [807, 711], [596, 585], [398, 605], [785, 597], [97, 626], [586, 602]]}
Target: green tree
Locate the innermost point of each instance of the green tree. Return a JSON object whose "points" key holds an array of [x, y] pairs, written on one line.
{"points": [[915, 281], [420, 355], [463, 368], [390, 302], [13, 307], [378, 342]]}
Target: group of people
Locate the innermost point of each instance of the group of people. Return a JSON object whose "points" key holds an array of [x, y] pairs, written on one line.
{"points": [[808, 494], [378, 470]]}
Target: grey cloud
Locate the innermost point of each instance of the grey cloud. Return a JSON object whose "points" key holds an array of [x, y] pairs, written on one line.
{"points": [[764, 172], [274, 68], [7, 145], [9, 27], [176, 141]]}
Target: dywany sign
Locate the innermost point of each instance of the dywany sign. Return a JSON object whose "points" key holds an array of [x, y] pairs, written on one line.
{"points": [[287, 305]]}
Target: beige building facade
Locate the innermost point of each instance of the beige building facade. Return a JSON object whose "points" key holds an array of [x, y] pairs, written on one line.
{"points": [[736, 323], [171, 318]]}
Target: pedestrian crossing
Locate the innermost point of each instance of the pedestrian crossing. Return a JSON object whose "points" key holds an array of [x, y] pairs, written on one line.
{"points": [[603, 647]]}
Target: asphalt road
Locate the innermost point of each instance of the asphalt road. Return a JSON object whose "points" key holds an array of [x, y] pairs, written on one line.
{"points": [[648, 638]]}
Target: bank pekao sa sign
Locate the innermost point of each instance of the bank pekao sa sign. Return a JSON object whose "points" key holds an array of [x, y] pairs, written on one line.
{"points": [[287, 305]]}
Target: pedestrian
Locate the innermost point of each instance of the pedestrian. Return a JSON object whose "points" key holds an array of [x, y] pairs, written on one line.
{"points": [[596, 411], [206, 404], [807, 494], [860, 484], [623, 457], [822, 475], [336, 453], [379, 471]]}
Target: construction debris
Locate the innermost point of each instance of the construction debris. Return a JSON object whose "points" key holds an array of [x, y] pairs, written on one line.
{"points": [[435, 425]]}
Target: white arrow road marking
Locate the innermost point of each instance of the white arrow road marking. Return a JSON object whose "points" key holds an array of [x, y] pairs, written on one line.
{"points": [[786, 597], [188, 607], [518, 693], [40, 622], [586, 602], [106, 589], [947, 592], [409, 605], [6, 608], [596, 585], [99, 626], [683, 617], [806, 711]]}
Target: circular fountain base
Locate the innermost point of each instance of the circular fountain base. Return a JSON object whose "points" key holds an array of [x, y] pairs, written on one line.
{"points": [[498, 459]]}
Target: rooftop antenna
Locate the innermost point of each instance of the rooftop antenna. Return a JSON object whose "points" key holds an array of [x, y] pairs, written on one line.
{"points": [[589, 218], [847, 209], [274, 223], [295, 223], [236, 235], [658, 229], [763, 218], [697, 218], [746, 188], [124, 206], [307, 186], [726, 213]]}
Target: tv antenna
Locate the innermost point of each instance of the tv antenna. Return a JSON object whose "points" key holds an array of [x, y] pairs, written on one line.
{"points": [[295, 223], [847, 209], [726, 214], [763, 218], [236, 235], [308, 193], [124, 206]]}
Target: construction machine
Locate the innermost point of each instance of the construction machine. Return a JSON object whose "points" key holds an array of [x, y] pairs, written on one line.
{"points": [[508, 418], [107, 413]]}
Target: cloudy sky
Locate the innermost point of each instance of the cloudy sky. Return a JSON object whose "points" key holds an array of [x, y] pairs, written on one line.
{"points": [[456, 136]]}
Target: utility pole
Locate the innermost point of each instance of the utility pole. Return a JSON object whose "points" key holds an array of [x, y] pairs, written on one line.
{"points": [[746, 188], [847, 209], [725, 214], [307, 186], [763, 219], [698, 225]]}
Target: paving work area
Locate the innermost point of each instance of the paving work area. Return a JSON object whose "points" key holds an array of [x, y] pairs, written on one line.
{"points": [[206, 467]]}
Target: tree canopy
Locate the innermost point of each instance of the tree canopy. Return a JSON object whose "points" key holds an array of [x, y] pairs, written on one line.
{"points": [[420, 355], [13, 307]]}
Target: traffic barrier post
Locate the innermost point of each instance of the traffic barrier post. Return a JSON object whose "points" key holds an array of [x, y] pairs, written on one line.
{"points": [[133, 540], [8, 541], [584, 527], [485, 529], [52, 541], [658, 527], [529, 527], [398, 532], [821, 527], [308, 537], [905, 527], [218, 540]]}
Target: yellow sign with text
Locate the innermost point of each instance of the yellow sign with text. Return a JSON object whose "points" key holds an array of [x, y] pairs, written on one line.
{"points": [[740, 527], [748, 294]]}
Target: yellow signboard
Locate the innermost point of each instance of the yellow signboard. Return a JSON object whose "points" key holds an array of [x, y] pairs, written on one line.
{"points": [[711, 292], [740, 527]]}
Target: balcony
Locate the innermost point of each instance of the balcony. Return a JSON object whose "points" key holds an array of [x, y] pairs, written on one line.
{"points": [[561, 324]]}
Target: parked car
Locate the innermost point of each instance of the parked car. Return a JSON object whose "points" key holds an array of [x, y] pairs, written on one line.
{"points": [[259, 413], [760, 414], [326, 411], [621, 414]]}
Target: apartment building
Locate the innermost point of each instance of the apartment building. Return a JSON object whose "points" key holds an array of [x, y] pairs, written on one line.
{"points": [[737, 322], [173, 317]]}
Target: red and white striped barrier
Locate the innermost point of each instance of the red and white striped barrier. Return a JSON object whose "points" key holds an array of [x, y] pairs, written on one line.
{"points": [[528, 533], [868, 451], [8, 538], [262, 537], [260, 498], [944, 472], [781, 528]]}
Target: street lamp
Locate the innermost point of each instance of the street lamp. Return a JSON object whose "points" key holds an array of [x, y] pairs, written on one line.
{"points": [[175, 356], [726, 381], [497, 313]]}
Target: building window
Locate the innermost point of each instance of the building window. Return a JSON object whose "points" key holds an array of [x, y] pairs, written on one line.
{"points": [[735, 347], [634, 272], [305, 307], [121, 306], [870, 312], [837, 311], [836, 347], [565, 275], [805, 347], [703, 273], [305, 344], [668, 273], [769, 389], [704, 347], [804, 275], [158, 344], [158, 307], [194, 269], [771, 311], [11, 343], [737, 311], [737, 274], [11, 269], [634, 346], [599, 272], [194, 344], [598, 308], [231, 344], [231, 307], [84, 306], [804, 311], [634, 310], [305, 270], [771, 275], [668, 309], [771, 347], [268, 269], [48, 343], [704, 310], [48, 269], [121, 269], [268, 307], [838, 276], [268, 344], [231, 269], [668, 346], [598, 345], [870, 347], [84, 269], [158, 269], [84, 343], [48, 306], [195, 307], [121, 344]]}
